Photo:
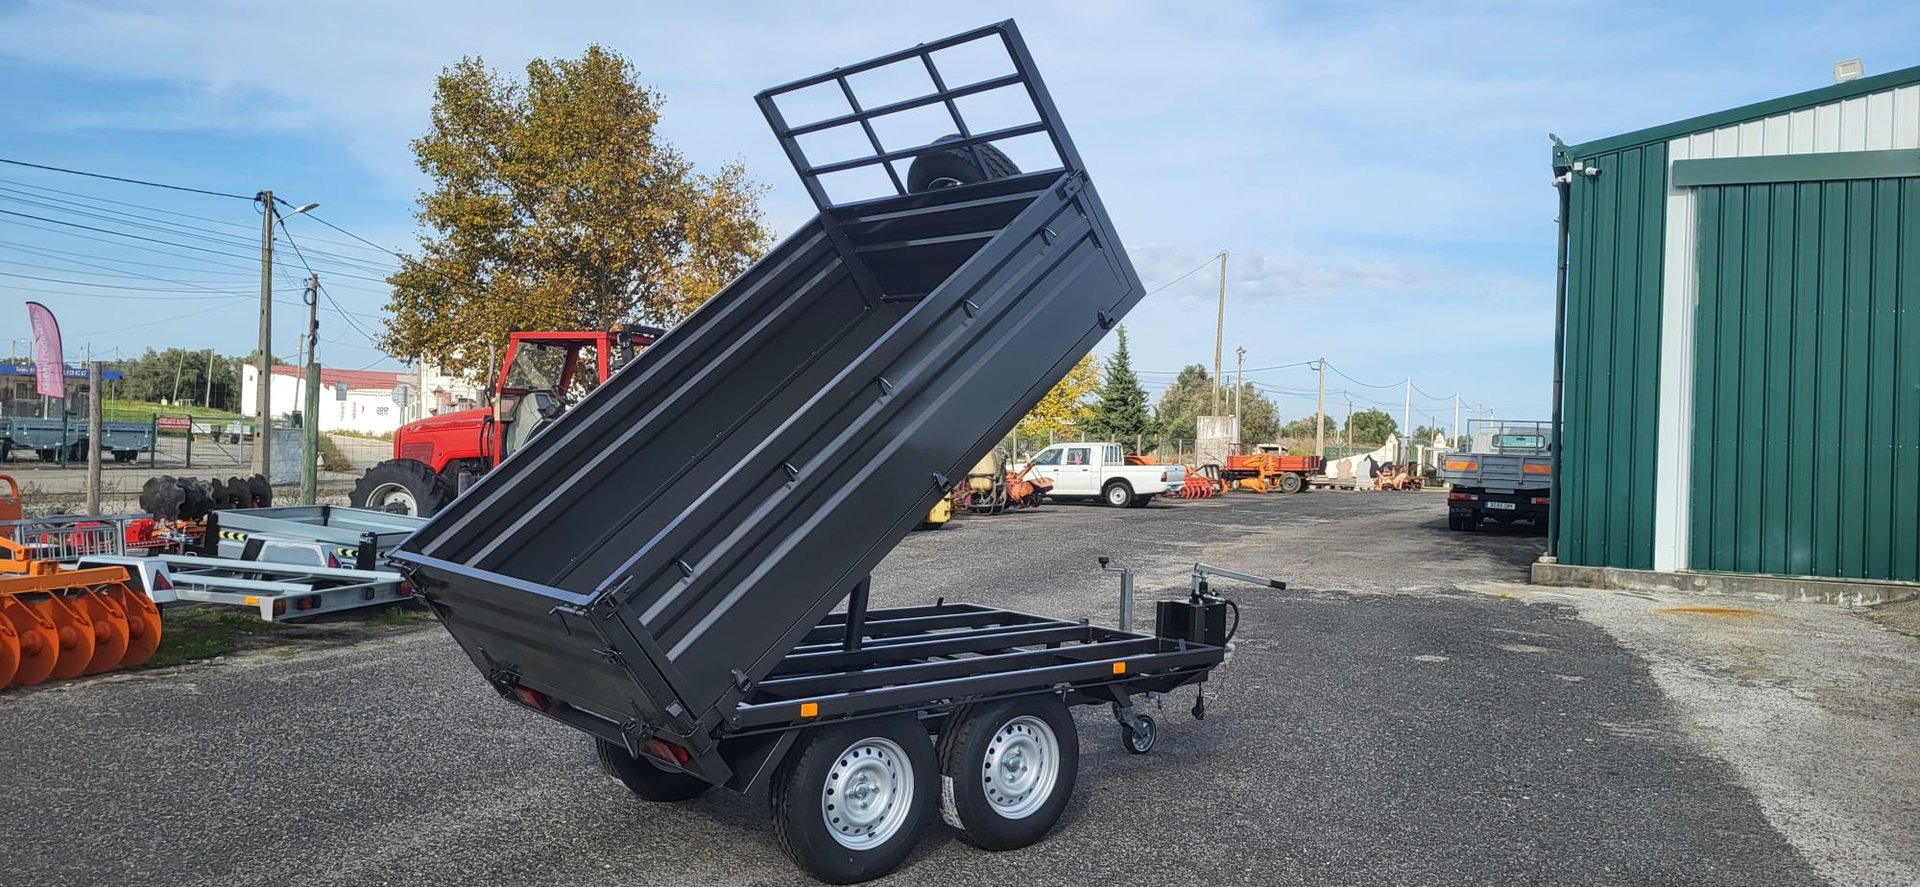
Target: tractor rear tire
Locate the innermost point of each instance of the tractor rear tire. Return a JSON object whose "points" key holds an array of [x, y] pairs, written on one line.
{"points": [[1292, 483], [402, 486], [952, 167]]}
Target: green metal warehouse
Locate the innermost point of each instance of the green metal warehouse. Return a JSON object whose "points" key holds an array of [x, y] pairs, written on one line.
{"points": [[1741, 338]]}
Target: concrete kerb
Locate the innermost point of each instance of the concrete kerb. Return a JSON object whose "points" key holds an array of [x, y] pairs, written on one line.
{"points": [[1765, 588]]}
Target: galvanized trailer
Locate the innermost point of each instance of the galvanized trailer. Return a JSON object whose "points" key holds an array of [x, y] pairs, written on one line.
{"points": [[325, 535], [659, 567]]}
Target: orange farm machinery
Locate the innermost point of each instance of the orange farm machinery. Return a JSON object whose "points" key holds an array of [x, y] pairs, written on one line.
{"points": [[992, 488], [58, 623], [1203, 481], [1271, 472]]}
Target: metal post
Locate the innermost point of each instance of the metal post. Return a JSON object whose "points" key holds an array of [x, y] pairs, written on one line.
{"points": [[1563, 181], [856, 615], [1456, 420], [153, 437], [1406, 420], [310, 424], [262, 396], [1320, 412], [93, 436], [207, 401], [1239, 382], [1219, 332]]}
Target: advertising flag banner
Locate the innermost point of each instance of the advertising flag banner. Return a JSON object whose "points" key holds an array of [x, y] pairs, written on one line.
{"points": [[50, 378]]}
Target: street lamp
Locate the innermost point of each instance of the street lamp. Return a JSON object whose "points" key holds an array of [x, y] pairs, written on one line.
{"points": [[263, 399]]}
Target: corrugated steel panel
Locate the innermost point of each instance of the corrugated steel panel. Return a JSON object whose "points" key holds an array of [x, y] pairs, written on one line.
{"points": [[1612, 360], [1627, 464], [1806, 443]]}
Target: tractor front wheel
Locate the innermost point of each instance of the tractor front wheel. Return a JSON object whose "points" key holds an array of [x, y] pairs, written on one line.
{"points": [[402, 486]]}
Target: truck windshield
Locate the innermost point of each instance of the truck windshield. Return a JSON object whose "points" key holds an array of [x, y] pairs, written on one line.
{"points": [[1048, 457]]}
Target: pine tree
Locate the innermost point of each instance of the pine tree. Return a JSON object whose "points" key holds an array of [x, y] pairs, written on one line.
{"points": [[1120, 413]]}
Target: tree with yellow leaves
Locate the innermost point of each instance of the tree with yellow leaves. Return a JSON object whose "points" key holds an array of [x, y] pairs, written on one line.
{"points": [[556, 204], [1065, 408]]}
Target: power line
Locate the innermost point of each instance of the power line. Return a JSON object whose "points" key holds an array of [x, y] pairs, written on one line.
{"points": [[1197, 269], [96, 175], [120, 234], [1355, 381], [387, 251], [97, 199]]}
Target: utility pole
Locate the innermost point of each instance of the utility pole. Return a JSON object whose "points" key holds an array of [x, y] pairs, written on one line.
{"points": [[310, 418], [262, 391], [1239, 375], [1349, 399], [93, 436], [1406, 421], [208, 400], [1219, 332], [1320, 412], [1456, 420]]}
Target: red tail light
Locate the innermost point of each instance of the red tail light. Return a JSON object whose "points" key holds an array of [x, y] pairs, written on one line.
{"points": [[1541, 500], [1461, 497], [532, 698], [672, 753], [161, 582], [1163, 477]]}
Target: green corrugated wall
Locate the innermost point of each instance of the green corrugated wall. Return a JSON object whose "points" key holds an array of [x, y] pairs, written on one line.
{"points": [[1806, 449], [1611, 424]]}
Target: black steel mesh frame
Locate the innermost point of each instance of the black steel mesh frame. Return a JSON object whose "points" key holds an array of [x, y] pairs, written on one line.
{"points": [[1024, 75]]}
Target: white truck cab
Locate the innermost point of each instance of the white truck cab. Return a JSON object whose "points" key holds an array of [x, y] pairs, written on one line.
{"points": [[1100, 471]]}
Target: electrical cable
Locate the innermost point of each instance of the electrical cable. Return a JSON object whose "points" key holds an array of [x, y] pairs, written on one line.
{"points": [[1196, 270], [96, 175]]}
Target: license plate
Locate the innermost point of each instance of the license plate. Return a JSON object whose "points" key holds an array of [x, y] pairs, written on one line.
{"points": [[1504, 506]]}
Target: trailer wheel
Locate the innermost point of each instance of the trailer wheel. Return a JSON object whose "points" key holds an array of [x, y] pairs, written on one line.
{"points": [[1008, 770], [938, 168], [1117, 494], [125, 455], [1291, 483], [643, 778], [1139, 740], [850, 803], [402, 486]]}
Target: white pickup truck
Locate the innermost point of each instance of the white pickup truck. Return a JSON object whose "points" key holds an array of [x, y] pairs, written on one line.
{"points": [[1100, 471]]}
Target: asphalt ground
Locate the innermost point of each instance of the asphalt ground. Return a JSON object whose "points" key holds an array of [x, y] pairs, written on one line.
{"points": [[1387, 720]]}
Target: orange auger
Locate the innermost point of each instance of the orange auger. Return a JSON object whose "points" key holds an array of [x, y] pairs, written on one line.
{"points": [[57, 623]]}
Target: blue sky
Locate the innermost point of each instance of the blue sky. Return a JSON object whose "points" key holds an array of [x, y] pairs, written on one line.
{"points": [[1377, 172]]}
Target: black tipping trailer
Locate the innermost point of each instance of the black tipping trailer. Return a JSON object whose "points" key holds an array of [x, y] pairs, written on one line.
{"points": [[661, 566]]}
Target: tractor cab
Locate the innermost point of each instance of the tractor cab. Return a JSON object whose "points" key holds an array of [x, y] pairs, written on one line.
{"points": [[545, 373]]}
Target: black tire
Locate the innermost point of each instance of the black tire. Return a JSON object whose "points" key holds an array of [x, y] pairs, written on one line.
{"points": [[1117, 494], [48, 455], [404, 486], [986, 753], [1140, 741], [1140, 502], [1292, 483], [646, 779], [125, 455], [801, 823], [938, 168]]}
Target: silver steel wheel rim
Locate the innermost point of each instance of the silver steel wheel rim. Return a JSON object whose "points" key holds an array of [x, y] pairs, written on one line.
{"points": [[1118, 496], [388, 495], [868, 794], [1021, 767], [944, 182]]}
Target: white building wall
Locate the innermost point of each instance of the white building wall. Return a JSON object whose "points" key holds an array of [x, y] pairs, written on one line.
{"points": [[1879, 121], [365, 411]]}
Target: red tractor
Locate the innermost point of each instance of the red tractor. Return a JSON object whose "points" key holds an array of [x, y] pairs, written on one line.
{"points": [[543, 374]]}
